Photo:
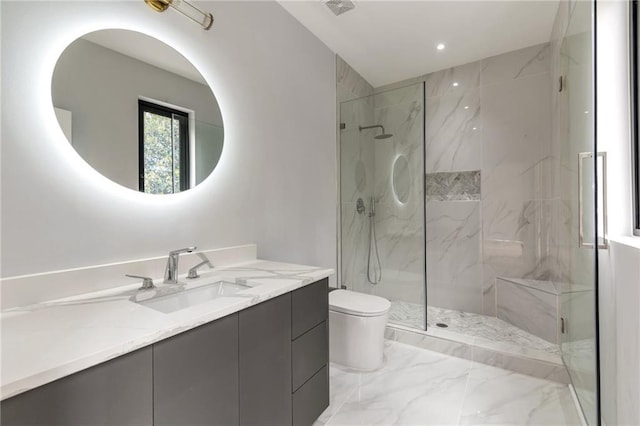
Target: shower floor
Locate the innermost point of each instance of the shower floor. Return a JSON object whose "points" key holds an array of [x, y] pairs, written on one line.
{"points": [[482, 329]]}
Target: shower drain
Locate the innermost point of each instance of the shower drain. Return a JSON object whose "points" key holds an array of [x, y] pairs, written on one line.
{"points": [[441, 325]]}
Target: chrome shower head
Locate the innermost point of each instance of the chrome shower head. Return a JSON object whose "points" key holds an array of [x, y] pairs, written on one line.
{"points": [[384, 134]]}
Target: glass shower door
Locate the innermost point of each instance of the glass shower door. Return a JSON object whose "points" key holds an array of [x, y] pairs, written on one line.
{"points": [[578, 210], [382, 200]]}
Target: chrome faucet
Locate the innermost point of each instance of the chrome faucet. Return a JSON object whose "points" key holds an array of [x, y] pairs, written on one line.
{"points": [[171, 271]]}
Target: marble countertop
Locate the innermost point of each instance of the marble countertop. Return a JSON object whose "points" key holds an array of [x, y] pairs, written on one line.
{"points": [[50, 340]]}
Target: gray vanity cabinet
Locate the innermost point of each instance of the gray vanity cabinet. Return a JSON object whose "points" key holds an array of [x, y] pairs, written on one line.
{"points": [[117, 392], [195, 376], [265, 363]]}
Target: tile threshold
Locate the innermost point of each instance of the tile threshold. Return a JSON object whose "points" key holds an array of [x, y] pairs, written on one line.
{"points": [[529, 362]]}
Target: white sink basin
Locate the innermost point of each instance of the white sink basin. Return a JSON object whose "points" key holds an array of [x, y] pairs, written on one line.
{"points": [[192, 297]]}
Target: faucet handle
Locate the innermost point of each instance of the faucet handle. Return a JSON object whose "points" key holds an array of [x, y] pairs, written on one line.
{"points": [[193, 272], [147, 282]]}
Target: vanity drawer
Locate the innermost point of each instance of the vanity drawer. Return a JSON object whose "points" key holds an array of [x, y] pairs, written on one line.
{"points": [[309, 353], [311, 399], [309, 307]]}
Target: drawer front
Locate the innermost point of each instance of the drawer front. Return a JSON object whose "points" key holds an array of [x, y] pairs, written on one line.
{"points": [[309, 353], [311, 399], [309, 307]]}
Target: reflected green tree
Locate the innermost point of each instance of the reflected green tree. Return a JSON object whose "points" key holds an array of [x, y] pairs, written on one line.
{"points": [[161, 154]]}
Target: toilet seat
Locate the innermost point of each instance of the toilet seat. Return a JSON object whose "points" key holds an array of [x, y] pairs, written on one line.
{"points": [[358, 304]]}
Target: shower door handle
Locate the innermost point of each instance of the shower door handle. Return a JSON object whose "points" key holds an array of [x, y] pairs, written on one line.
{"points": [[599, 204]]}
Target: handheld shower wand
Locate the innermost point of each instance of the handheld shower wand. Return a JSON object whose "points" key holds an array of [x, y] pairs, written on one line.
{"points": [[374, 267]]}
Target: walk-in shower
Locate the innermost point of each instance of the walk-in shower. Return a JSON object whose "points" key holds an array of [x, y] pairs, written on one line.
{"points": [[464, 218]]}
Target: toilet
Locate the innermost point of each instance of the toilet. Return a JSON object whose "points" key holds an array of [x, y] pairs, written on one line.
{"points": [[356, 329]]}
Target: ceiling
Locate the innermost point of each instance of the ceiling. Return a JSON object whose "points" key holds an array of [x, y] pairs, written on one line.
{"points": [[392, 40]]}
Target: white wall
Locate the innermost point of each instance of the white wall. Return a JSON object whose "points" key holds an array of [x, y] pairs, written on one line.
{"points": [[619, 278], [275, 184]]}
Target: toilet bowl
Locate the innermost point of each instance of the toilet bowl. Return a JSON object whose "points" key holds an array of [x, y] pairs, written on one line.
{"points": [[356, 329]]}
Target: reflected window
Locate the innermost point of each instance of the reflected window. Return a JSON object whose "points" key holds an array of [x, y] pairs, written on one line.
{"points": [[163, 149]]}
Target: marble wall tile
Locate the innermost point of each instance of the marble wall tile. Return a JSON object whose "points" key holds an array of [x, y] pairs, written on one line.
{"points": [[355, 234], [452, 186], [517, 64], [516, 121], [509, 245], [454, 81], [350, 84], [407, 94], [356, 167], [577, 309], [454, 255], [454, 132], [399, 84], [530, 309], [399, 225]]}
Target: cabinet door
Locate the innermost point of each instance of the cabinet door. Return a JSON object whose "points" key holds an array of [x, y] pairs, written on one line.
{"points": [[265, 363], [196, 376], [117, 392], [310, 306]]}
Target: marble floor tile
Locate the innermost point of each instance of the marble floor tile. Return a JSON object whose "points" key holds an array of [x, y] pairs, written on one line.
{"points": [[414, 387], [497, 396], [420, 387]]}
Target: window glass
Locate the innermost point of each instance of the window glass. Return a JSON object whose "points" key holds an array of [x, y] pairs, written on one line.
{"points": [[163, 149]]}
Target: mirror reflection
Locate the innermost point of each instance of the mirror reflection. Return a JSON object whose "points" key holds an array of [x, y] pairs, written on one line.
{"points": [[401, 181], [137, 111]]}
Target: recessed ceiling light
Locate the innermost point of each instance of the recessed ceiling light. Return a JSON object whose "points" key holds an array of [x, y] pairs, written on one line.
{"points": [[475, 128], [455, 84], [466, 107], [440, 46]]}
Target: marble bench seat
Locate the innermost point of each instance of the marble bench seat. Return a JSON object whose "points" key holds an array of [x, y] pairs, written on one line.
{"points": [[535, 305]]}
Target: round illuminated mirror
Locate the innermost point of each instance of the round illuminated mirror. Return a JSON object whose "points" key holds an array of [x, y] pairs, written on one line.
{"points": [[137, 111]]}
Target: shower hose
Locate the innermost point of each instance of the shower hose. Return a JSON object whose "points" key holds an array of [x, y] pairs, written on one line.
{"points": [[374, 268]]}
